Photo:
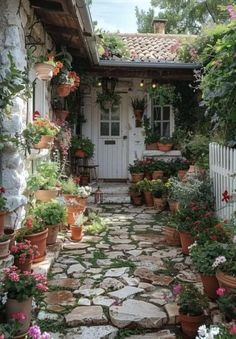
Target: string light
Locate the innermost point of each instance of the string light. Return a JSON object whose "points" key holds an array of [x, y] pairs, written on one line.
{"points": [[141, 83], [154, 84], [99, 83]]}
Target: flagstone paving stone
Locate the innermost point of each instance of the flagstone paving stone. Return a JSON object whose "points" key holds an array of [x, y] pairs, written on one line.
{"points": [[122, 277]]}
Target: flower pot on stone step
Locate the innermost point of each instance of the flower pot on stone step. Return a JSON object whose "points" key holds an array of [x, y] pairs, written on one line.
{"points": [[172, 237], [186, 240], [148, 198], [14, 306], [52, 233], [190, 324], [39, 239], [76, 232], [210, 285]]}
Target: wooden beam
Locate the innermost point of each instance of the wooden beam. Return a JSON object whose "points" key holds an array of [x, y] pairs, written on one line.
{"points": [[61, 30], [54, 6]]}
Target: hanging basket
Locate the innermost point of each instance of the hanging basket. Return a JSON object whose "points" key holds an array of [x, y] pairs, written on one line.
{"points": [[79, 153], [61, 114], [63, 90], [45, 142], [44, 71]]}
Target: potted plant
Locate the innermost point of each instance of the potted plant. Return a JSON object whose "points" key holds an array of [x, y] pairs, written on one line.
{"points": [[46, 67], [226, 301], [158, 169], [4, 246], [135, 195], [171, 234], [64, 82], [34, 230], [53, 214], [196, 150], [226, 267], [145, 186], [82, 147], [3, 209], [21, 289], [43, 183], [151, 137], [180, 167], [71, 190], [24, 253], [192, 305], [77, 226], [165, 144], [172, 197], [219, 331], [108, 100], [138, 105], [95, 224], [159, 193], [203, 256], [136, 170], [40, 133]]}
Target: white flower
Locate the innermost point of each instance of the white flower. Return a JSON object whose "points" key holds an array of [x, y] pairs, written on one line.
{"points": [[202, 330], [214, 330], [219, 260], [234, 239], [192, 245]]}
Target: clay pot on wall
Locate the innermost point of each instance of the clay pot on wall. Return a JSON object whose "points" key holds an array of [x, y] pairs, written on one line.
{"points": [[63, 90], [44, 71], [45, 142]]}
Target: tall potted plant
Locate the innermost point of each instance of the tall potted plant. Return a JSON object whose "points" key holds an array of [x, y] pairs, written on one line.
{"points": [[159, 193], [138, 105]]}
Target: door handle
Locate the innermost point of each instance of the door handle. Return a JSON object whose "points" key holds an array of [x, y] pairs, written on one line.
{"points": [[124, 137]]}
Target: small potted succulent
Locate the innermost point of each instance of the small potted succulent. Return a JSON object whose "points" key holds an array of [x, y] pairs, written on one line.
{"points": [[3, 209], [159, 193], [24, 253], [165, 144], [77, 227], [136, 170], [82, 147], [4, 246], [192, 307]]}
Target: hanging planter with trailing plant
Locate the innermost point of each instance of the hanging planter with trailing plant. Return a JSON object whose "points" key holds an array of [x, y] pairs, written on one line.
{"points": [[108, 100]]}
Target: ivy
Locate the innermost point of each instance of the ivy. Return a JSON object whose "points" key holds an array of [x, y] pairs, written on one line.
{"points": [[163, 94]]}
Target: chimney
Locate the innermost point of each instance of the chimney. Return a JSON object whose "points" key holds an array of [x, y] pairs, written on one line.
{"points": [[159, 25]]}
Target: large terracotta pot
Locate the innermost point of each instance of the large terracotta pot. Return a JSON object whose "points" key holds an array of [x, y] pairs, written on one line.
{"points": [[44, 71], [46, 195], [45, 142], [226, 280], [210, 285], [63, 90], [181, 174], [136, 177], [186, 240], [40, 240], [4, 249], [190, 324], [173, 206], [136, 199], [172, 237], [23, 267], [52, 233], [159, 204], [2, 221], [15, 306], [164, 147], [148, 198], [152, 147], [76, 232], [79, 153], [157, 175], [61, 114]]}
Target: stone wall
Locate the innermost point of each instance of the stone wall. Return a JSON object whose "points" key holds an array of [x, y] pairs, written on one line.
{"points": [[15, 22]]}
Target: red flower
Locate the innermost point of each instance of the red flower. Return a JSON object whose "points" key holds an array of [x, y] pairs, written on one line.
{"points": [[214, 237], [218, 226], [36, 115], [226, 196], [232, 330], [2, 190]]}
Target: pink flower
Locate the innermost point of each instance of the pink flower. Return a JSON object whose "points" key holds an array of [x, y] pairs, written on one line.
{"points": [[34, 332], [177, 289], [13, 276], [232, 12], [2, 336], [45, 335], [221, 291], [19, 316], [232, 330]]}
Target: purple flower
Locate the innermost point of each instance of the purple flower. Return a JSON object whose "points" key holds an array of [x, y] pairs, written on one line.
{"points": [[34, 332], [177, 289], [232, 11], [45, 335]]}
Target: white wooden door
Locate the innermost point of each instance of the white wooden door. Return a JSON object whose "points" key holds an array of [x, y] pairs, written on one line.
{"points": [[113, 143]]}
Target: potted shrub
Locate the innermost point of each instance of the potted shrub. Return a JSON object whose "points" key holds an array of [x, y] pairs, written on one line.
{"points": [[40, 133], [77, 227], [108, 100], [135, 195], [43, 183], [151, 137], [145, 186], [181, 167], [159, 193], [226, 301], [20, 292], [225, 266], [46, 67], [192, 305], [24, 253], [137, 171], [3, 209], [53, 215], [158, 169], [165, 144], [203, 256], [4, 246], [138, 105], [171, 234], [82, 147]]}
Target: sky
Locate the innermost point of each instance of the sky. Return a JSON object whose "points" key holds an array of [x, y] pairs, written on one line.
{"points": [[117, 15]]}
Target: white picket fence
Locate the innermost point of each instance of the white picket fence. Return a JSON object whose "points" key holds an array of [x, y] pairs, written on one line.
{"points": [[222, 168]]}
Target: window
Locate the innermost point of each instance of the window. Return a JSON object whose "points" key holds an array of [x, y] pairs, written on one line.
{"points": [[110, 123], [162, 120]]}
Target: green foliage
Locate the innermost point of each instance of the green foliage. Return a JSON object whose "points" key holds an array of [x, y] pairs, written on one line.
{"points": [[51, 212], [145, 185], [85, 144], [95, 224], [165, 140], [137, 167], [196, 150], [150, 136], [159, 189], [163, 94], [191, 301], [159, 165], [46, 177], [226, 303], [144, 20], [138, 103], [4, 238], [111, 44], [108, 99], [68, 186]]}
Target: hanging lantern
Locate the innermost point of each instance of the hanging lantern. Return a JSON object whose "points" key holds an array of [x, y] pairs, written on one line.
{"points": [[98, 196]]}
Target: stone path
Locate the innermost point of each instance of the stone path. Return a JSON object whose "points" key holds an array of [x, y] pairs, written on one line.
{"points": [[117, 284]]}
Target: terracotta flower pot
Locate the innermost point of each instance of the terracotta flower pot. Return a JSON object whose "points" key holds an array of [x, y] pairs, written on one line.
{"points": [[164, 147], [136, 177], [157, 175], [63, 90], [159, 204], [190, 324], [148, 198], [52, 233], [226, 280], [148, 175], [46, 195], [152, 147], [81, 201], [79, 153], [23, 267], [72, 211], [40, 240], [210, 285], [45, 142], [173, 206], [2, 221], [186, 240], [76, 232], [136, 199], [44, 71], [172, 237], [61, 114], [181, 174], [11, 233], [4, 249], [84, 179], [15, 306]]}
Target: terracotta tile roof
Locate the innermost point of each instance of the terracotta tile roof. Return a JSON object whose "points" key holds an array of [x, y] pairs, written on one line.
{"points": [[153, 47]]}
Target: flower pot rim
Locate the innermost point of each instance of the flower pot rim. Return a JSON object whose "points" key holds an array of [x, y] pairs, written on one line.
{"points": [[42, 232]]}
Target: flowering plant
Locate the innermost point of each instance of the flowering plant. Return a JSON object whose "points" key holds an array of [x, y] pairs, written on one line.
{"points": [[203, 256], [49, 59], [24, 285], [227, 261], [223, 331], [190, 299], [3, 200], [84, 144], [23, 251], [46, 177], [227, 302], [30, 225], [62, 141], [84, 191], [34, 332]]}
